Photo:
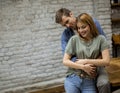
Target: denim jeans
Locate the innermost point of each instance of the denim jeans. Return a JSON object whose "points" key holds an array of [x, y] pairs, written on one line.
{"points": [[75, 84]]}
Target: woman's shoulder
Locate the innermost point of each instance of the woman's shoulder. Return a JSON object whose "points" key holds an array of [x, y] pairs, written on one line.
{"points": [[101, 37], [75, 36]]}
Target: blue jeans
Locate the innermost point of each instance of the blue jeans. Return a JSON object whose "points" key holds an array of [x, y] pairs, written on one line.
{"points": [[74, 84]]}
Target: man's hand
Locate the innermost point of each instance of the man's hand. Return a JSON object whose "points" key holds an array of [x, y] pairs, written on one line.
{"points": [[90, 70]]}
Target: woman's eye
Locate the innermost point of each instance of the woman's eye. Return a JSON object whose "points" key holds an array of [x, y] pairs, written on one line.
{"points": [[83, 26]]}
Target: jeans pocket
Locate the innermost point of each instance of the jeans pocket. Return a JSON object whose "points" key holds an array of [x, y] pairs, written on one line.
{"points": [[70, 75]]}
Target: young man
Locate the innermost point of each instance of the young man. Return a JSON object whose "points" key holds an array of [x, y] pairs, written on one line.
{"points": [[66, 18]]}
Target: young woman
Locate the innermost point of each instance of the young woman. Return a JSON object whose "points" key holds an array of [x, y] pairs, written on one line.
{"points": [[87, 45]]}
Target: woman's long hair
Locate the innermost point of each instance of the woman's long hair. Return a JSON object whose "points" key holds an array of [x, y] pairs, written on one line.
{"points": [[87, 19]]}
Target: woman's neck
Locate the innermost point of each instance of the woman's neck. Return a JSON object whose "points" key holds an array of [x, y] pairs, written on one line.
{"points": [[88, 38]]}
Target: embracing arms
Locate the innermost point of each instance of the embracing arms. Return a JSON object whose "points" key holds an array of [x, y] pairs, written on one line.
{"points": [[88, 68], [104, 61]]}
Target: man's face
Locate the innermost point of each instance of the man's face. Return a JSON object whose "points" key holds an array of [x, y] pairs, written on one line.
{"points": [[69, 21]]}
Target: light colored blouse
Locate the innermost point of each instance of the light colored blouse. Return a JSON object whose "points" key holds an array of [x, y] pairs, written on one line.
{"points": [[86, 50]]}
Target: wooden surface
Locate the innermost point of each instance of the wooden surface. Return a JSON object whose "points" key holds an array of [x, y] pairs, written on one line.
{"points": [[52, 89], [116, 38], [114, 71]]}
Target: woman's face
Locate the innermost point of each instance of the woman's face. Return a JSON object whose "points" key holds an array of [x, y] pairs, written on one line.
{"points": [[83, 30]]}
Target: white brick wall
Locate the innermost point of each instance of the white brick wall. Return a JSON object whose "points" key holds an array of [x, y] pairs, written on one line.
{"points": [[30, 51]]}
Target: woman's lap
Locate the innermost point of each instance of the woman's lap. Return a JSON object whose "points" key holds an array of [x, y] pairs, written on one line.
{"points": [[75, 84]]}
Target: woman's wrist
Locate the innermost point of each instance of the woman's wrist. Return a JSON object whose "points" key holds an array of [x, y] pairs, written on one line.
{"points": [[82, 67], [86, 61]]}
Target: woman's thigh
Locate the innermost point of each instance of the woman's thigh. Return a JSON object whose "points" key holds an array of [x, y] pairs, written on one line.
{"points": [[72, 84], [88, 86]]}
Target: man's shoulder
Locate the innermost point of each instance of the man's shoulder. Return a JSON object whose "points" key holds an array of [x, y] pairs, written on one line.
{"points": [[95, 20], [68, 31]]}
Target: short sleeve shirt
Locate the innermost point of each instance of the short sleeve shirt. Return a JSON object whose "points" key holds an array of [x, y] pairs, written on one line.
{"points": [[86, 50]]}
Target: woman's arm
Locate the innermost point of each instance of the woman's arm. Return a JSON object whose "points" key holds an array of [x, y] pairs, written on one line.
{"points": [[104, 61], [88, 68], [69, 63]]}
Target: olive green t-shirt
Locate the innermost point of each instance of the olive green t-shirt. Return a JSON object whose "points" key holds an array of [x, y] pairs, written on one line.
{"points": [[86, 50]]}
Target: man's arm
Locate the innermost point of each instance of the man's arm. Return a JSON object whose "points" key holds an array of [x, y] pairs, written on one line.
{"points": [[67, 34]]}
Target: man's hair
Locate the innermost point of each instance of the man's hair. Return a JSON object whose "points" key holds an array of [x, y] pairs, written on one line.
{"points": [[61, 12]]}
